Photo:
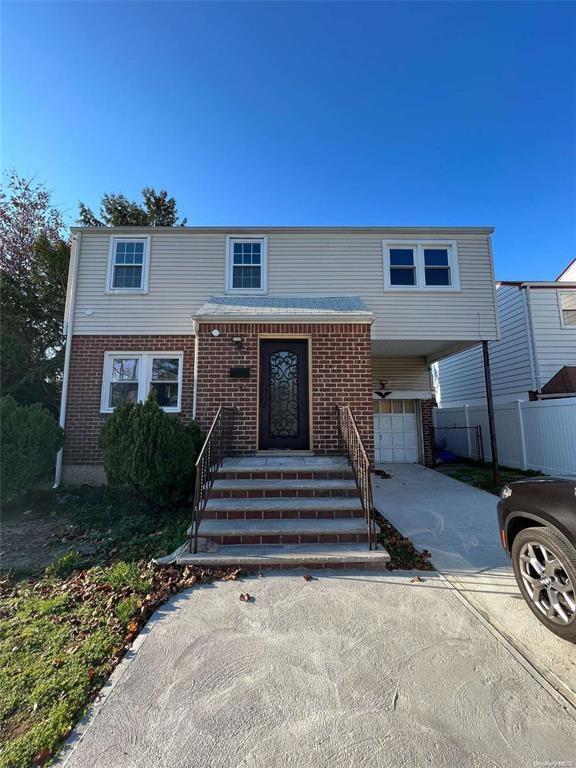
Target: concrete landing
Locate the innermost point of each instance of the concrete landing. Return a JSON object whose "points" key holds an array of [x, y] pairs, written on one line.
{"points": [[289, 462]]}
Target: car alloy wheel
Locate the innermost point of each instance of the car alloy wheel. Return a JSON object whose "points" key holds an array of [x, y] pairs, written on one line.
{"points": [[547, 582]]}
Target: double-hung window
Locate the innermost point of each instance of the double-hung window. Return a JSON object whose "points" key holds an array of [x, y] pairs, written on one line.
{"points": [[420, 265], [129, 377], [567, 308], [128, 267], [247, 265]]}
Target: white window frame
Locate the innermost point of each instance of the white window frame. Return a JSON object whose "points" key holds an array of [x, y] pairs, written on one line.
{"points": [[144, 376], [418, 247], [561, 309], [145, 264], [263, 240]]}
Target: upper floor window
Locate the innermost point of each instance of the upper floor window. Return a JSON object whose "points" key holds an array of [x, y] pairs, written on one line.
{"points": [[568, 308], [129, 377], [420, 265], [128, 268], [247, 265]]}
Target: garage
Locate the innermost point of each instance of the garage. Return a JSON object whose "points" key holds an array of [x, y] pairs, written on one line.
{"points": [[396, 431]]}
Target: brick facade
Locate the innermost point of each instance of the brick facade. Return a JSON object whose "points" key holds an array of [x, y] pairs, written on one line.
{"points": [[83, 418], [340, 361], [429, 457], [341, 365]]}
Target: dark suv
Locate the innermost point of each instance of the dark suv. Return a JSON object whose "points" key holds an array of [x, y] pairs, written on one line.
{"points": [[537, 520]]}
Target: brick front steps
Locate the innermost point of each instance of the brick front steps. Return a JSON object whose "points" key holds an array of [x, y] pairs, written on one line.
{"points": [[294, 556], [255, 489], [274, 508], [284, 511], [296, 531]]}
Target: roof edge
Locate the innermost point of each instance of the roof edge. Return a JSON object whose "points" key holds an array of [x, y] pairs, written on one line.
{"points": [[558, 284], [343, 319], [263, 229]]}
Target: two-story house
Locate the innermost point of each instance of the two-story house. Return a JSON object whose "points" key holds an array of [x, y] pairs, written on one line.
{"points": [[536, 355], [284, 324]]}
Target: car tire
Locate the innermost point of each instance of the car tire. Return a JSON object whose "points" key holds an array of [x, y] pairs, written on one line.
{"points": [[545, 569]]}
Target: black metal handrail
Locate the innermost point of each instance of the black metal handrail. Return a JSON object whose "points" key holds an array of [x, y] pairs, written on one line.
{"points": [[216, 446], [358, 458]]}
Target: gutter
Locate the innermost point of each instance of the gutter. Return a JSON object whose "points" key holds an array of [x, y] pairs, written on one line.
{"points": [[68, 323], [195, 375]]}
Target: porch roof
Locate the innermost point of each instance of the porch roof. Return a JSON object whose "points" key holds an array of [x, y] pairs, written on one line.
{"points": [[349, 309]]}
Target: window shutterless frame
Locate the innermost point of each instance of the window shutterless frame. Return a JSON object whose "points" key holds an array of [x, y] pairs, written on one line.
{"points": [[231, 240], [567, 305], [418, 247], [144, 377], [116, 259]]}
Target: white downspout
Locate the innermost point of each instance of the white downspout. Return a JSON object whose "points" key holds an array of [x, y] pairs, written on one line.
{"points": [[533, 349], [68, 324], [195, 392]]}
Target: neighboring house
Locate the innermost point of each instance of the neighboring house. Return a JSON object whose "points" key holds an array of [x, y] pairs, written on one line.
{"points": [[281, 323], [536, 355]]}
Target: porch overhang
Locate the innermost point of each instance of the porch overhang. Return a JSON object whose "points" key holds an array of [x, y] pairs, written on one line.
{"points": [[284, 309], [431, 350]]}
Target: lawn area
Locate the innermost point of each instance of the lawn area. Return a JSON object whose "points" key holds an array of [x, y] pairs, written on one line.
{"points": [[98, 522], [480, 475], [77, 588]]}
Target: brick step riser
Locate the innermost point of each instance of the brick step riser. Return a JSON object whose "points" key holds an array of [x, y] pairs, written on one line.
{"points": [[279, 514], [288, 475], [292, 538], [294, 493]]}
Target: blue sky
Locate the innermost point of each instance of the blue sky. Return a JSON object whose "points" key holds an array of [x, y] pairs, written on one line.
{"points": [[307, 113]]}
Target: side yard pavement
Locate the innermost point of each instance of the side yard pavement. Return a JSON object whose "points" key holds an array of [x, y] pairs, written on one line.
{"points": [[457, 524]]}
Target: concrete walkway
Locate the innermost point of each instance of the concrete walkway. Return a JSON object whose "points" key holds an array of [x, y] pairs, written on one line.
{"points": [[457, 524], [363, 669]]}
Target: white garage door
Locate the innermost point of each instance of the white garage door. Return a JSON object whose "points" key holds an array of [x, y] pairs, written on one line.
{"points": [[396, 431]]}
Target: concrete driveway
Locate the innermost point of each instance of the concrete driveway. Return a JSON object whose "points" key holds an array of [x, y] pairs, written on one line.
{"points": [[362, 669], [457, 524]]}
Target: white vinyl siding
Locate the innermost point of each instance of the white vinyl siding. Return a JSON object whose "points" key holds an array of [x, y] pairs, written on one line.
{"points": [[519, 362], [461, 376], [187, 267], [555, 345], [400, 373]]}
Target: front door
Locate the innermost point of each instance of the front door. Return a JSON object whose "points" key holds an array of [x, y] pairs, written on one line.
{"points": [[284, 417]]}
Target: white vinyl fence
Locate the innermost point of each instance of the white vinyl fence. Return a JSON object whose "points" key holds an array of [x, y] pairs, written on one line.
{"points": [[538, 435]]}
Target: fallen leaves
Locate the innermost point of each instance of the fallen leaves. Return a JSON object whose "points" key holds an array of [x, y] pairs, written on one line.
{"points": [[41, 757], [417, 580], [308, 577], [403, 553], [247, 598]]}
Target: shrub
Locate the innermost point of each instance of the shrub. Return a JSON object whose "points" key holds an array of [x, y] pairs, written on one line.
{"points": [[30, 439], [150, 450]]}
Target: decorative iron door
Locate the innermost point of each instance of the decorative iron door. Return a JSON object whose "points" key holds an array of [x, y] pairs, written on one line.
{"points": [[284, 418]]}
